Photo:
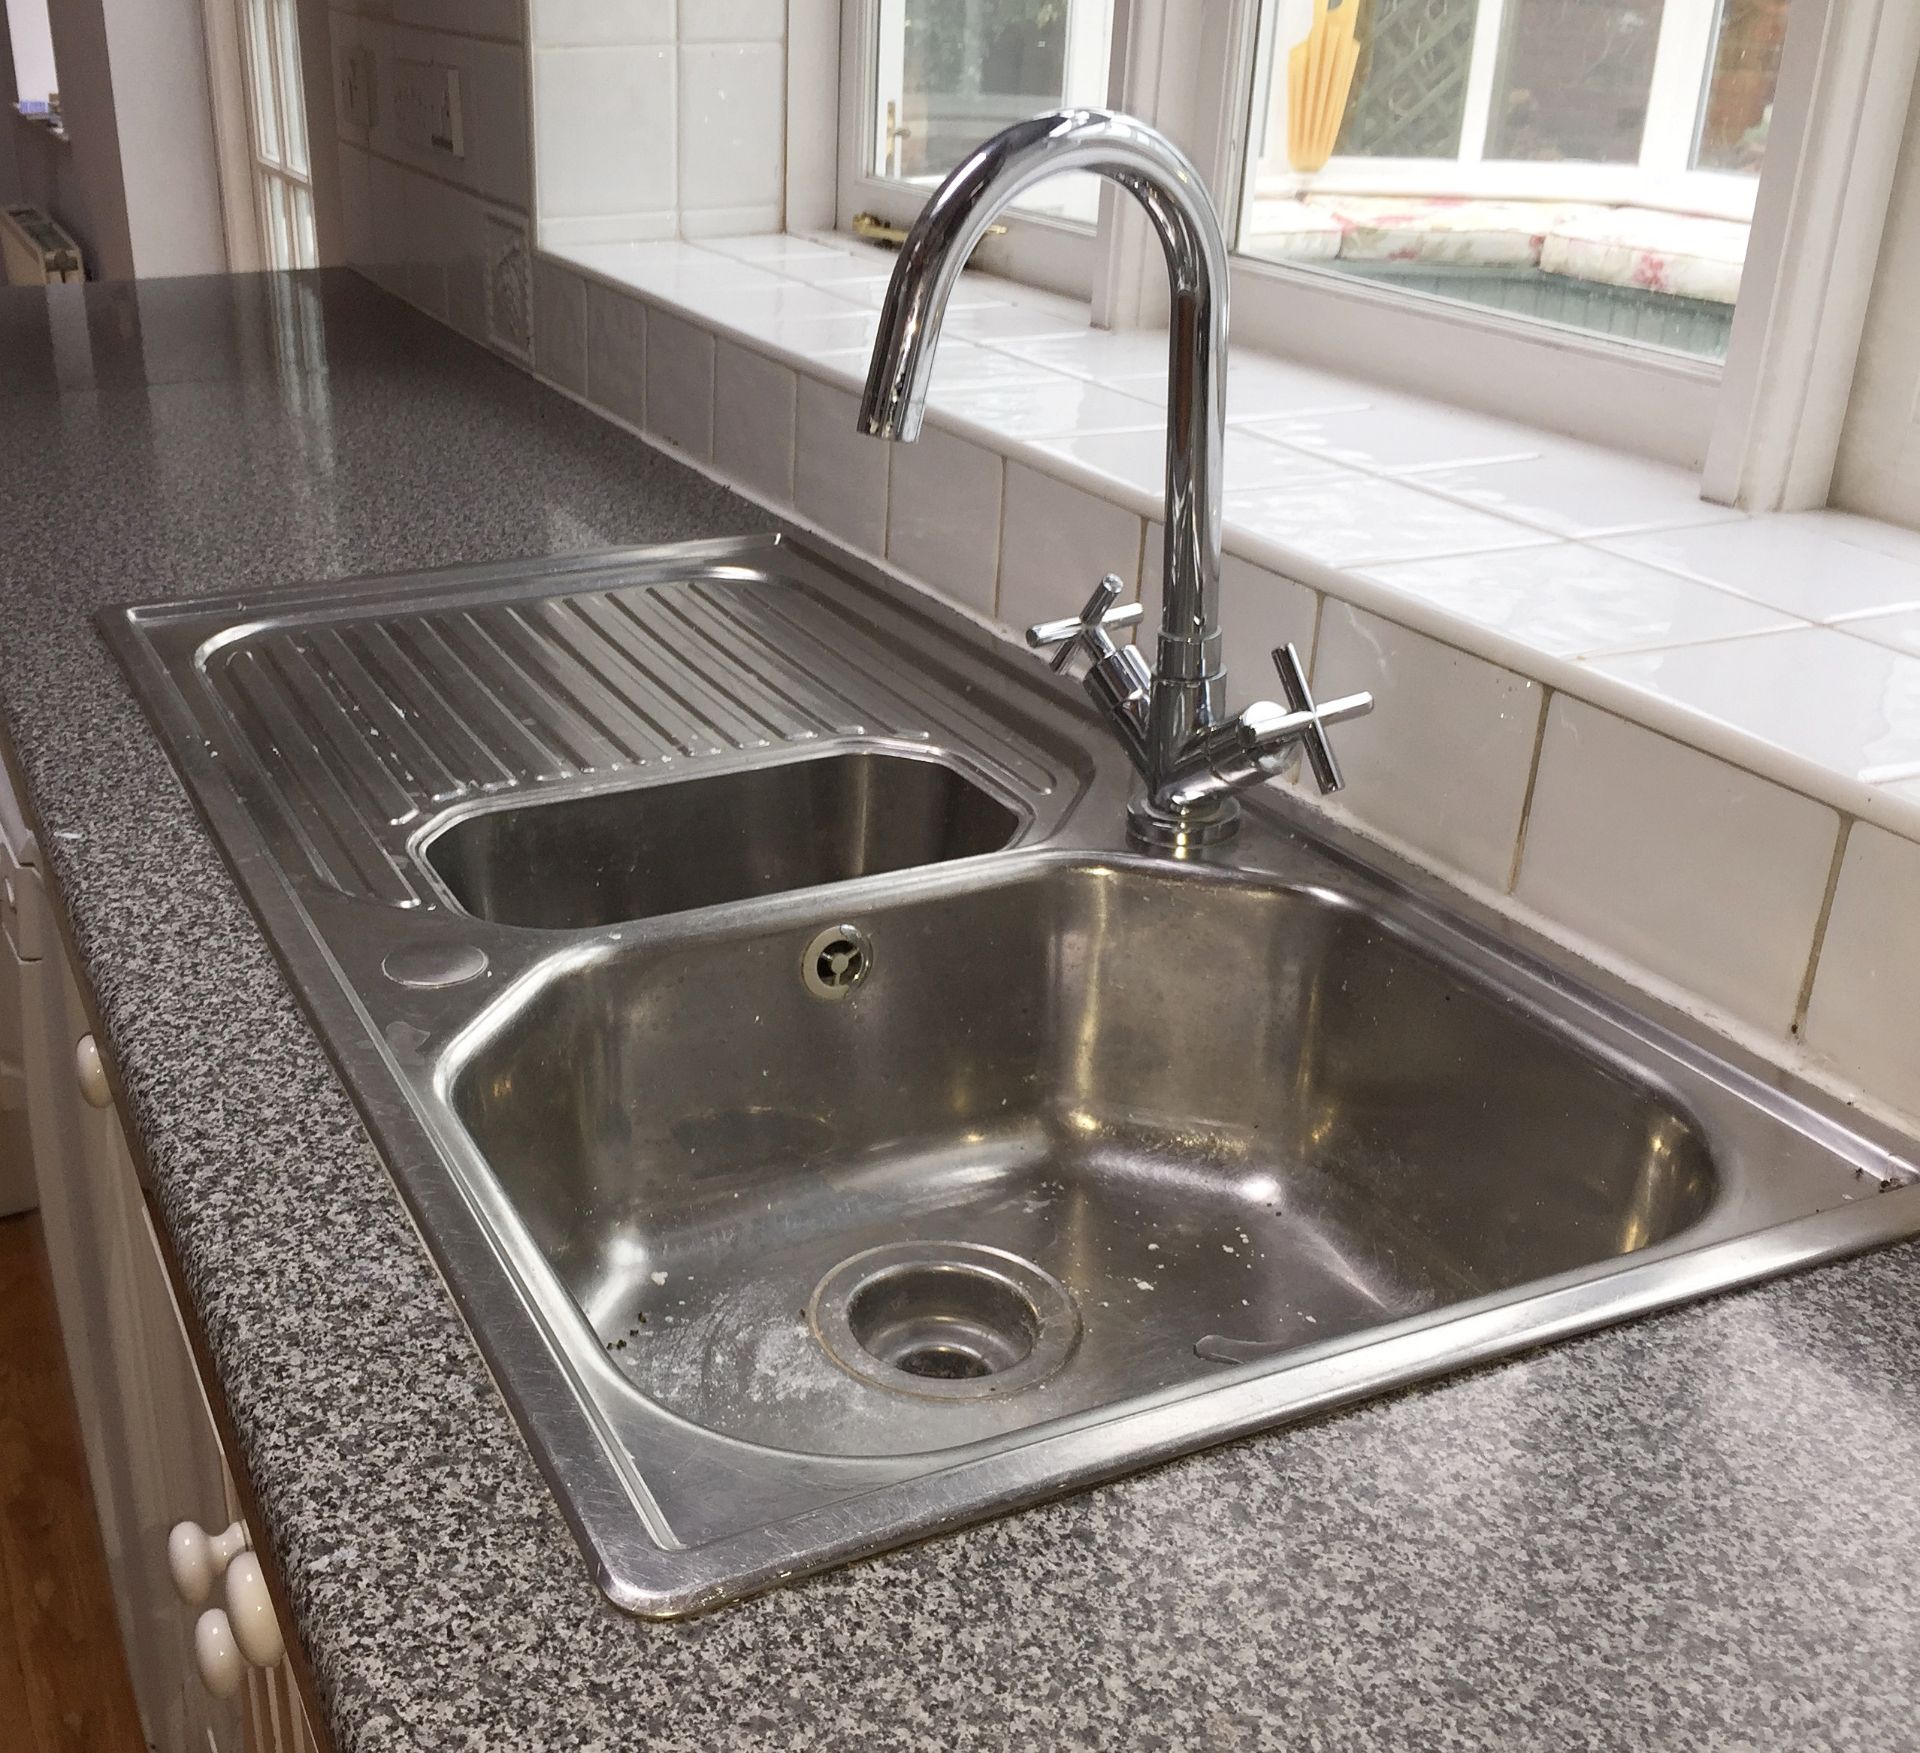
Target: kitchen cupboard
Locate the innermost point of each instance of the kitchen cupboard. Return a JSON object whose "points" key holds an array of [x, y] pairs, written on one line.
{"points": [[154, 1451]]}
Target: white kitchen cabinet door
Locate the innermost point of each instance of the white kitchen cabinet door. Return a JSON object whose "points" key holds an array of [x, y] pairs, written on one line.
{"points": [[153, 1454]]}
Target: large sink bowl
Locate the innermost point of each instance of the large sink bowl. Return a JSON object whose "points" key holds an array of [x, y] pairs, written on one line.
{"points": [[832, 1134], [1336, 1131]]}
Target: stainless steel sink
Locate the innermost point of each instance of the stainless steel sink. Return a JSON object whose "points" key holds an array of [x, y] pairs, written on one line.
{"points": [[833, 1133], [639, 851]]}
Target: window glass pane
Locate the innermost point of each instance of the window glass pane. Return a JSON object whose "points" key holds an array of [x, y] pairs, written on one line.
{"points": [[1560, 161], [34, 78], [266, 114], [949, 73], [306, 247], [1409, 97], [273, 197], [293, 105], [1739, 101], [1574, 80]]}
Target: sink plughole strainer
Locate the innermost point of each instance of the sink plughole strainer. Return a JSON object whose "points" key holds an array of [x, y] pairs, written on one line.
{"points": [[947, 1320]]}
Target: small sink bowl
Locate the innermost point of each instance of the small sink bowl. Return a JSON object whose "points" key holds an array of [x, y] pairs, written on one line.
{"points": [[612, 856]]}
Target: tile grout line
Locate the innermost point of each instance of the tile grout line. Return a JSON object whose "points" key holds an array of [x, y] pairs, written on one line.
{"points": [[1796, 1030], [1547, 692]]}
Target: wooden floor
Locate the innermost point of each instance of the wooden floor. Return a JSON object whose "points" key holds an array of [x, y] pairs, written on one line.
{"points": [[63, 1678]]}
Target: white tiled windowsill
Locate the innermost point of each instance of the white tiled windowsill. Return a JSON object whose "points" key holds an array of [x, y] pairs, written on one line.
{"points": [[1689, 737], [1788, 645]]}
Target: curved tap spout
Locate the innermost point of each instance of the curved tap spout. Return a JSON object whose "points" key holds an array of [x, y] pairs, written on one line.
{"points": [[1185, 697], [1169, 719]]}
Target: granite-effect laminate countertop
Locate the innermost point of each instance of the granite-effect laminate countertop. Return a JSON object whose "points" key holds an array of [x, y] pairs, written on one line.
{"points": [[1699, 1531]]}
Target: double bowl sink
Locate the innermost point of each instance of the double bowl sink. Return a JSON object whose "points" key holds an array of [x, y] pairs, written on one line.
{"points": [[832, 1133]]}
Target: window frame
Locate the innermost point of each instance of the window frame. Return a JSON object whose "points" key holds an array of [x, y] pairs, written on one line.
{"points": [[269, 39], [1662, 175], [1762, 429], [1061, 254]]}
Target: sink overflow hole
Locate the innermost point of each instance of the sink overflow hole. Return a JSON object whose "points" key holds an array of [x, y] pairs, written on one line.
{"points": [[836, 961]]}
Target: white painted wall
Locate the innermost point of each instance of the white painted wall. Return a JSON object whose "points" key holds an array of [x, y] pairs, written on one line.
{"points": [[1879, 467], [171, 179]]}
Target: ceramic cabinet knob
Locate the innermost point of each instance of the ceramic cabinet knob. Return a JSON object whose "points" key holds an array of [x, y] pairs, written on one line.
{"points": [[196, 1558], [92, 1072], [256, 1627], [217, 1655]]}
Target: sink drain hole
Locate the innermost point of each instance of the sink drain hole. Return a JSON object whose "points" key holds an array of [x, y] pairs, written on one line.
{"points": [[946, 1323], [953, 1320]]}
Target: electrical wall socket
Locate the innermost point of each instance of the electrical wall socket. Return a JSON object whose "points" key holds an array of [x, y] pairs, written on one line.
{"points": [[357, 97], [426, 107]]}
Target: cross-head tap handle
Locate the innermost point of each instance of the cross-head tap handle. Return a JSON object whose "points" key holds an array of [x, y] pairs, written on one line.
{"points": [[1088, 628]]}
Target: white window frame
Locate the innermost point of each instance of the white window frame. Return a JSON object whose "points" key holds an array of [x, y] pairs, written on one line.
{"points": [[1662, 176], [282, 187], [1845, 83], [1056, 251], [1763, 429]]}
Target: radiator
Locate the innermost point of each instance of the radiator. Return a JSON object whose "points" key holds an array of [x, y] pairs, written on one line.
{"points": [[35, 250]]}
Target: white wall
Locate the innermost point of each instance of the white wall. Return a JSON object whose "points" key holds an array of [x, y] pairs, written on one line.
{"points": [[1879, 466], [164, 115]]}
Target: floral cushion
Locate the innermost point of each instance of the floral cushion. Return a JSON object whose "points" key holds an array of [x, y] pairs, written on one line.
{"points": [[1294, 231], [1660, 252], [1488, 234]]}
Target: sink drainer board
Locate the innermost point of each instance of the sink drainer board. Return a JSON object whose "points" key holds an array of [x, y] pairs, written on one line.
{"points": [[834, 1134]]}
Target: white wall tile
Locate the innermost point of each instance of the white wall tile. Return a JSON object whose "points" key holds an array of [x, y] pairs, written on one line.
{"points": [[1865, 1010], [387, 198], [559, 22], [1056, 543], [429, 226], [560, 326], [356, 205], [1788, 563], [1443, 759], [604, 130], [617, 353], [1578, 601], [943, 516], [1396, 434], [1695, 869], [471, 246], [609, 228], [1343, 518], [730, 221], [1581, 490], [839, 474], [732, 125], [813, 89], [679, 383], [483, 18], [733, 21], [753, 416]]}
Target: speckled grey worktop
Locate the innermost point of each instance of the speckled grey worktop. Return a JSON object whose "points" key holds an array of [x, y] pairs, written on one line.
{"points": [[1699, 1531]]}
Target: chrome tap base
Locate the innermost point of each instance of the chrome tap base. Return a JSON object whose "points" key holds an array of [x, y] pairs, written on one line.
{"points": [[1153, 829]]}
